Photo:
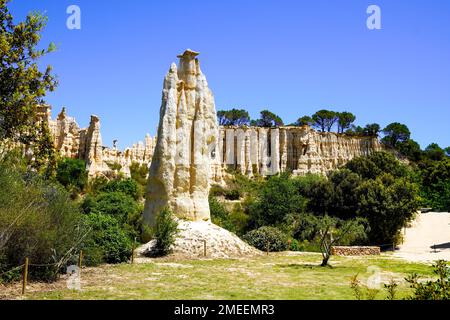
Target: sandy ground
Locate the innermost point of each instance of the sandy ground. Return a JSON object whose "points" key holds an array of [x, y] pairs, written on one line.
{"points": [[428, 239]]}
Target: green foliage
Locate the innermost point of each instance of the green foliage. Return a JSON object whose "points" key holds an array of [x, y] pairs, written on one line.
{"points": [[377, 164], [71, 173], [277, 199], [378, 188], [324, 120], [139, 174], [114, 166], [395, 133], [165, 232], [219, 215], [233, 194], [432, 290], [356, 131], [233, 117], [360, 291], [410, 149], [435, 176], [126, 186], [371, 130], [389, 204], [304, 121], [333, 231], [434, 152], [267, 237], [268, 120], [345, 120], [38, 220], [94, 185], [391, 289], [108, 243], [115, 204], [22, 85]]}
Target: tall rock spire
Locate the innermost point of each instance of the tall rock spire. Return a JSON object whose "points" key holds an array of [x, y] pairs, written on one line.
{"points": [[186, 145]]}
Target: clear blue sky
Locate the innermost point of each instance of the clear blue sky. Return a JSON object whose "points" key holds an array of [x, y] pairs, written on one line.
{"points": [[292, 57]]}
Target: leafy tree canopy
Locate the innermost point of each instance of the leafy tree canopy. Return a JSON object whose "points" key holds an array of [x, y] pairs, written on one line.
{"points": [[233, 117], [395, 133], [345, 120], [23, 86], [434, 152], [268, 120], [324, 120], [372, 130], [304, 121]]}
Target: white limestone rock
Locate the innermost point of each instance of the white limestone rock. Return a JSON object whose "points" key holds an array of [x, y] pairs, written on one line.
{"points": [[186, 146]]}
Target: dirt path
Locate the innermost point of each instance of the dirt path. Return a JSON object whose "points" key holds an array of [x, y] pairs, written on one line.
{"points": [[429, 230]]}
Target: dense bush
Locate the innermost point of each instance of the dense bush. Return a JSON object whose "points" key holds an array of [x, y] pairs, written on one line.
{"points": [[165, 232], [38, 220], [219, 215], [72, 174], [108, 243], [116, 204], [235, 221], [378, 188], [388, 204], [277, 199], [233, 194], [125, 186], [435, 184], [267, 236]]}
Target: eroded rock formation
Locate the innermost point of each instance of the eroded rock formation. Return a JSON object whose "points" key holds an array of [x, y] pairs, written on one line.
{"points": [[181, 169], [300, 150], [86, 144]]}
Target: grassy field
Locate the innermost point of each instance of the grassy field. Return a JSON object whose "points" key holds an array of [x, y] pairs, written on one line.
{"points": [[278, 276]]}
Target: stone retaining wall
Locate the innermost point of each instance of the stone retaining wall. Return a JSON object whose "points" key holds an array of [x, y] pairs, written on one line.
{"points": [[355, 251]]}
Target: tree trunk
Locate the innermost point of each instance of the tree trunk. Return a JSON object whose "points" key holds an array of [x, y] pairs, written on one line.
{"points": [[325, 261]]}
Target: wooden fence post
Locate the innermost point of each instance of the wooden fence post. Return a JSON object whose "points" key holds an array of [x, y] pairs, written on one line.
{"points": [[132, 252], [204, 248], [25, 276], [80, 260]]}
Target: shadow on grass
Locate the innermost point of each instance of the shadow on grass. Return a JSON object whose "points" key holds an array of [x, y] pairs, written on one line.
{"points": [[305, 266]]}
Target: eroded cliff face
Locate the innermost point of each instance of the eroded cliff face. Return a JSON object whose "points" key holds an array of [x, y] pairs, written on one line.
{"points": [[180, 172], [300, 150], [86, 144]]}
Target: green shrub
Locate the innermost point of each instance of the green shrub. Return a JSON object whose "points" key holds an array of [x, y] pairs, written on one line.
{"points": [[277, 199], [165, 232], [38, 220], [125, 186], [294, 245], [217, 191], [267, 236], [116, 204], [96, 184], [108, 242], [232, 195], [139, 173], [72, 174], [433, 289], [219, 215]]}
